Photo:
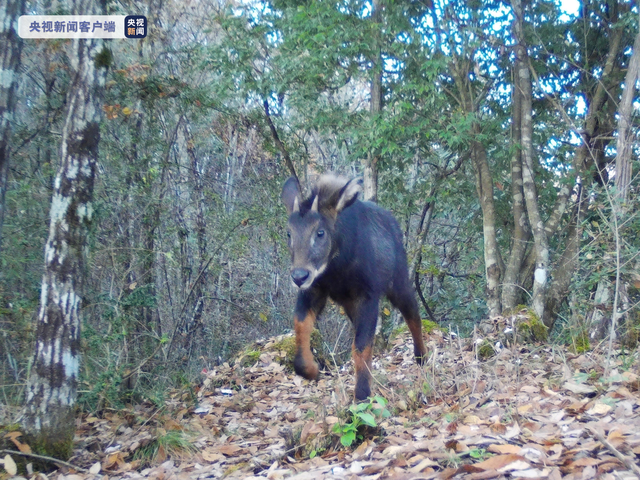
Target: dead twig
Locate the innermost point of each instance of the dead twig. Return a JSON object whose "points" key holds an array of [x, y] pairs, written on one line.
{"points": [[627, 461], [46, 459]]}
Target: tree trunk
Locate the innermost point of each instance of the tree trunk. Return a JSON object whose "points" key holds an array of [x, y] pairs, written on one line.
{"points": [[371, 166], [623, 146], [594, 127], [563, 272], [10, 48], [623, 178], [199, 288], [511, 287], [523, 82], [492, 260], [493, 263], [51, 391]]}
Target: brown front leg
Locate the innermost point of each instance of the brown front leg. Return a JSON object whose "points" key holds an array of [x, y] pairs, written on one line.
{"points": [[309, 305], [304, 363]]}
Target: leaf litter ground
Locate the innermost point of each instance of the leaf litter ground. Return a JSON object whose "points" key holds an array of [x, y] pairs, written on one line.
{"points": [[527, 412]]}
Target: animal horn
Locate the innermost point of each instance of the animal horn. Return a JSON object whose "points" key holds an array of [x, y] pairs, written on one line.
{"points": [[296, 206], [314, 207]]}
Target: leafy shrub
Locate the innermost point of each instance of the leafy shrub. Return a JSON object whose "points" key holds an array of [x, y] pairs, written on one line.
{"points": [[363, 416]]}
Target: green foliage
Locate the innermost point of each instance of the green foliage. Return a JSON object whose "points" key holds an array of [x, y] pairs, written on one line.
{"points": [[581, 342], [631, 328], [288, 346], [250, 357], [428, 326], [486, 350], [363, 416], [104, 58], [529, 326], [171, 444], [102, 391], [479, 454]]}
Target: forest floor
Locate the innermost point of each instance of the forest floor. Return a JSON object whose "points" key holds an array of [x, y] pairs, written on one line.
{"points": [[529, 411]]}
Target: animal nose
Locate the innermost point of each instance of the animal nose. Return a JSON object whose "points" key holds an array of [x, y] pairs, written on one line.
{"points": [[299, 275]]}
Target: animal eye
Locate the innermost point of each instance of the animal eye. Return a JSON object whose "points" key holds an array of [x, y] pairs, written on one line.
{"points": [[320, 233], [288, 234]]}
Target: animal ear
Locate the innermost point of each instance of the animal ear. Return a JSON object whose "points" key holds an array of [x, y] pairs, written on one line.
{"points": [[291, 195], [349, 194]]}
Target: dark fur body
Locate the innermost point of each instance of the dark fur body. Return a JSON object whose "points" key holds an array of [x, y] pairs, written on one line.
{"points": [[368, 258], [362, 259]]}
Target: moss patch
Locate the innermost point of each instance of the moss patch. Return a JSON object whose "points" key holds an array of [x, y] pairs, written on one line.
{"points": [[631, 330], [581, 343], [285, 351], [48, 446], [528, 325], [282, 349], [486, 350], [249, 358], [428, 327]]}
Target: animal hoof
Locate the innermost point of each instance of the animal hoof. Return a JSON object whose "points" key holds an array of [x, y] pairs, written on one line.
{"points": [[363, 390], [308, 370]]}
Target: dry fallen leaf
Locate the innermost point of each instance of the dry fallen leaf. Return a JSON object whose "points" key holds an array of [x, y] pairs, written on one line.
{"points": [[579, 388], [13, 435], [522, 409], [586, 462], [532, 473], [499, 428], [95, 468], [212, 457], [23, 447], [472, 420], [427, 462], [229, 450], [500, 461], [504, 449], [516, 465], [305, 432], [599, 409], [9, 465], [254, 414]]}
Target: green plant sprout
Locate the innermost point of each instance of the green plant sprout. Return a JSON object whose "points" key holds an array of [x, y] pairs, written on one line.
{"points": [[365, 414]]}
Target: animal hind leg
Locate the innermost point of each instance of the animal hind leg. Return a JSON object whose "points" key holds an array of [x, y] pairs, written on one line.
{"points": [[405, 301], [364, 320]]}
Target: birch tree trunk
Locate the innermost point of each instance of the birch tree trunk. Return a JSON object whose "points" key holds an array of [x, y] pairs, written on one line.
{"points": [[51, 390], [10, 48]]}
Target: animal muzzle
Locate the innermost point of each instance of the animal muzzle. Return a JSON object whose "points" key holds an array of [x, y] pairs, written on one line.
{"points": [[299, 276]]}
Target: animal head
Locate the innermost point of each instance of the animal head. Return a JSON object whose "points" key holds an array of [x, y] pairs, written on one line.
{"points": [[311, 227]]}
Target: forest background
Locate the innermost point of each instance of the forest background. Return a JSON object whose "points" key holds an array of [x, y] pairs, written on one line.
{"points": [[501, 135]]}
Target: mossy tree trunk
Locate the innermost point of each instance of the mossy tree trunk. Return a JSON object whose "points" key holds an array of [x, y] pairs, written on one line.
{"points": [[49, 419]]}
